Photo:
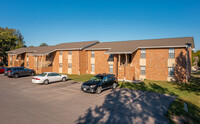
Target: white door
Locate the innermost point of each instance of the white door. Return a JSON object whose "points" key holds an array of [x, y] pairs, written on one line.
{"points": [[57, 77], [51, 77]]}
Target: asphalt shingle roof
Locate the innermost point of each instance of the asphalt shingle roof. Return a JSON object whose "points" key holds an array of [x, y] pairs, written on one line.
{"points": [[131, 46], [49, 49]]}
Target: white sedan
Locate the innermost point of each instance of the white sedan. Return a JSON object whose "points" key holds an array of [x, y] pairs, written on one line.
{"points": [[47, 77]]}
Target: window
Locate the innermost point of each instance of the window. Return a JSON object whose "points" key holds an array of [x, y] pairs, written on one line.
{"points": [[122, 59], [142, 70], [111, 57], [143, 53], [111, 68], [171, 53], [27, 63], [70, 65], [60, 52], [92, 54], [170, 71], [27, 55], [129, 58], [70, 52], [93, 67], [60, 65]]}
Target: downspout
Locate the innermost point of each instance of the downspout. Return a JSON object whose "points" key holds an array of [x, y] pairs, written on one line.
{"points": [[187, 58]]}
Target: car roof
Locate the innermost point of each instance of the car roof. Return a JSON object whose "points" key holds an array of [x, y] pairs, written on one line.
{"points": [[104, 74]]}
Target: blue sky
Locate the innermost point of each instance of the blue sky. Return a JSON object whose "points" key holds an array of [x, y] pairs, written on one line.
{"points": [[58, 21]]}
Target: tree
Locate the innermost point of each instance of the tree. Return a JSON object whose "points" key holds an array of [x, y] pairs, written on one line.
{"points": [[10, 39], [31, 46], [43, 44]]}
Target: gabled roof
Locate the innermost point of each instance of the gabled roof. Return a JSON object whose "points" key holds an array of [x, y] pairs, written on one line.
{"points": [[49, 49], [128, 47]]}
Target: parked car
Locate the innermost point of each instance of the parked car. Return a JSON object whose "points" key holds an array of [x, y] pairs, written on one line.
{"points": [[100, 82], [47, 77], [18, 71], [2, 69]]}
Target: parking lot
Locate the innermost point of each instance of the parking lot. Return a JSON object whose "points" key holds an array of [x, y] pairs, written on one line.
{"points": [[63, 102]]}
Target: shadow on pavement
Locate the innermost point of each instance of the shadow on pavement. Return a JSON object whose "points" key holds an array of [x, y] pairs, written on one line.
{"points": [[129, 106]]}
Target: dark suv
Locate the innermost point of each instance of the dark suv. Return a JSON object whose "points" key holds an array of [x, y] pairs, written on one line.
{"points": [[100, 82], [18, 71]]}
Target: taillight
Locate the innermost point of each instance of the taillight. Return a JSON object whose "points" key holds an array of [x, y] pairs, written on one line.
{"points": [[9, 71], [36, 78]]}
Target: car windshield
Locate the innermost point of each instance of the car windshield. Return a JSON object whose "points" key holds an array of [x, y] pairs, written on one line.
{"points": [[96, 78], [43, 74]]}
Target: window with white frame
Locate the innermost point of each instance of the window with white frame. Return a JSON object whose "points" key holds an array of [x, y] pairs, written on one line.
{"points": [[70, 52], [143, 53], [142, 70], [93, 67], [70, 65], [60, 65], [171, 71], [60, 52], [92, 54], [171, 52], [111, 68]]}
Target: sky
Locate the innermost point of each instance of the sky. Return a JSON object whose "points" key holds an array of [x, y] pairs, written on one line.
{"points": [[62, 21]]}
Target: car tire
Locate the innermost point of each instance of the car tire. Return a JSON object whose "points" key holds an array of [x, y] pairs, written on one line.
{"points": [[64, 79], [114, 86], [46, 82], [32, 73], [16, 75], [99, 89]]}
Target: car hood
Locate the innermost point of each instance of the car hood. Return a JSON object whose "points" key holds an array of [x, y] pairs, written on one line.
{"points": [[90, 83]]}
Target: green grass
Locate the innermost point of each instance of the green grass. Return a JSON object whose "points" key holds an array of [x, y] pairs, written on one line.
{"points": [[185, 92], [80, 78]]}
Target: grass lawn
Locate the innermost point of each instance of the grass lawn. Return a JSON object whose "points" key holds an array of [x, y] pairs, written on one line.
{"points": [[80, 78], [185, 92]]}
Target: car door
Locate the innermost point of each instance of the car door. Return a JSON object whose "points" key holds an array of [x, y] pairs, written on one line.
{"points": [[50, 77], [58, 77], [20, 71], [105, 82], [26, 71], [110, 80]]}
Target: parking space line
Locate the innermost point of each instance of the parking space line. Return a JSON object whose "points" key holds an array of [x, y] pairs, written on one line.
{"points": [[140, 95]]}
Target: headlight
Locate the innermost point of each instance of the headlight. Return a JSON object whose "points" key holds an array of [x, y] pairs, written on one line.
{"points": [[92, 86]]}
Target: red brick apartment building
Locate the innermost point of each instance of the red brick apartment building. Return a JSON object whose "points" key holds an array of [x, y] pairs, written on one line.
{"points": [[156, 59], [67, 58]]}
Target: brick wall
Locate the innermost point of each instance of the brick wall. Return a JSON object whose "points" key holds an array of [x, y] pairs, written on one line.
{"points": [[156, 64], [180, 64], [83, 61], [75, 62]]}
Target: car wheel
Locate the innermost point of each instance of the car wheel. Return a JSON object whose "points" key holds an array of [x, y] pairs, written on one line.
{"points": [[99, 89], [114, 85], [46, 82], [64, 79], [32, 73], [16, 75]]}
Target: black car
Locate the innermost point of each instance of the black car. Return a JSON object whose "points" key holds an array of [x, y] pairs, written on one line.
{"points": [[100, 82], [18, 71]]}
